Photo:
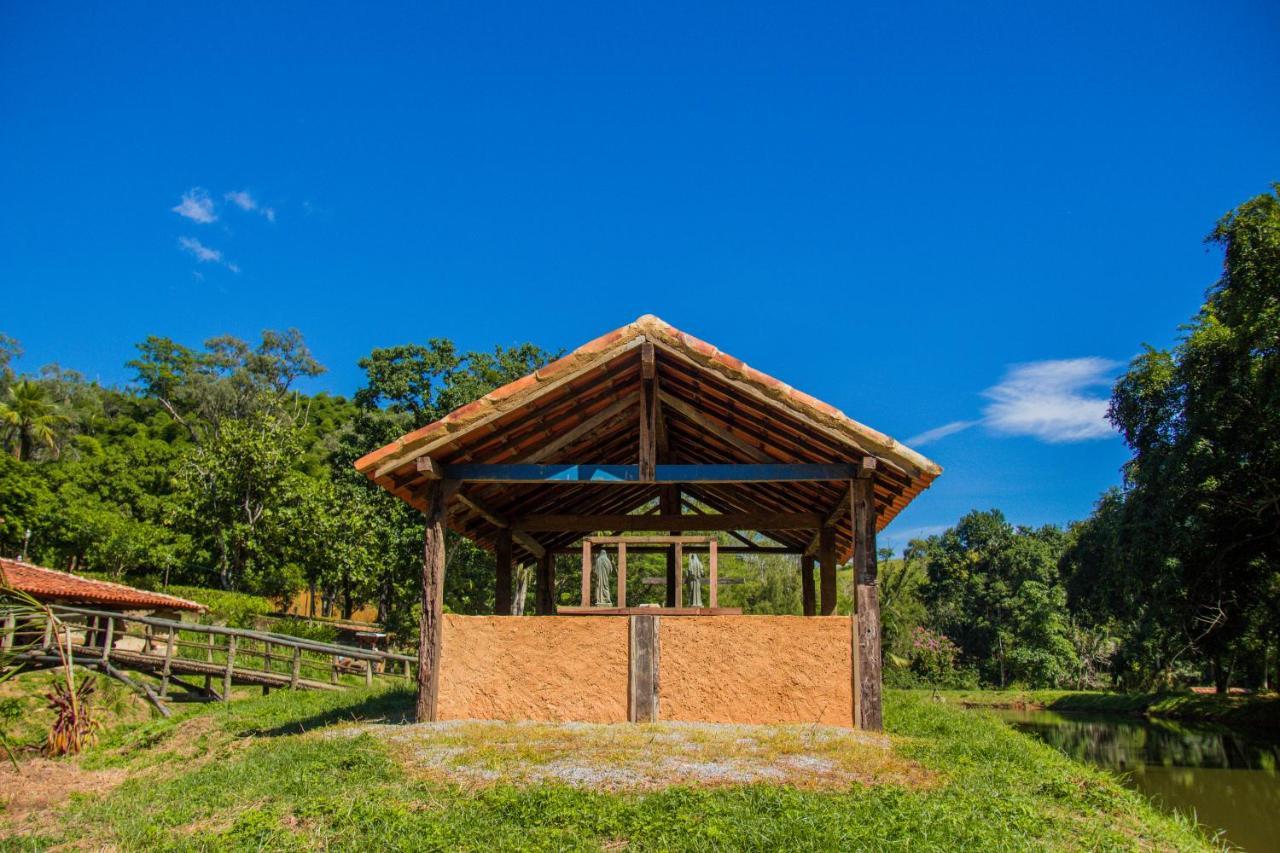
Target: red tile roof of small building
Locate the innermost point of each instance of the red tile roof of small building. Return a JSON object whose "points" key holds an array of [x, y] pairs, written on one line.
{"points": [[50, 585]]}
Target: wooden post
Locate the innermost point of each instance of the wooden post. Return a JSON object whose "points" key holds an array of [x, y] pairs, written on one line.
{"points": [[679, 549], [643, 670], [296, 673], [266, 656], [713, 559], [622, 574], [231, 662], [502, 556], [208, 656], [648, 414], [547, 584], [669, 504], [827, 570], [109, 640], [586, 572], [368, 673], [10, 628], [866, 619], [807, 592], [430, 629], [168, 662]]}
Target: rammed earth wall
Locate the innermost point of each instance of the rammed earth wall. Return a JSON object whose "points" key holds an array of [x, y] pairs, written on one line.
{"points": [[724, 669]]}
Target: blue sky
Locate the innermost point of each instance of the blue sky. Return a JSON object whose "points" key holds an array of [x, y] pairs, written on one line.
{"points": [[955, 217]]}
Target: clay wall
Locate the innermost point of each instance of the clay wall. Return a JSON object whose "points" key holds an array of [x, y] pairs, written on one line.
{"points": [[730, 669]]}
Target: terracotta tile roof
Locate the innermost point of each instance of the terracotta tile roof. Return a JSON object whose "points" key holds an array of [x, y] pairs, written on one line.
{"points": [[714, 408], [49, 585]]}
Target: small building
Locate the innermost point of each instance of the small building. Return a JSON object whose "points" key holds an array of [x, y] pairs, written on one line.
{"points": [[647, 435], [63, 588]]}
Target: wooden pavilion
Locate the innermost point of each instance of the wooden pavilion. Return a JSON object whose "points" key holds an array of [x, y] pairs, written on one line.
{"points": [[649, 418]]}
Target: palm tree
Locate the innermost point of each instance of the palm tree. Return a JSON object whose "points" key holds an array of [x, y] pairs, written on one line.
{"points": [[31, 416]]}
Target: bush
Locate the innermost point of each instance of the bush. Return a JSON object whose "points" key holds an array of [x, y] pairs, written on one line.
{"points": [[933, 661], [304, 629]]}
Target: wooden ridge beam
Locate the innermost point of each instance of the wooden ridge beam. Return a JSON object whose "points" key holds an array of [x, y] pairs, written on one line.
{"points": [[599, 474], [633, 523]]}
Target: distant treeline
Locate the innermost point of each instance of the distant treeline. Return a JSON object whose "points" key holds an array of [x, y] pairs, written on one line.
{"points": [[212, 469]]}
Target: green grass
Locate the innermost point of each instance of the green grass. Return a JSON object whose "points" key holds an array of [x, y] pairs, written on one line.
{"points": [[261, 774], [1249, 710]]}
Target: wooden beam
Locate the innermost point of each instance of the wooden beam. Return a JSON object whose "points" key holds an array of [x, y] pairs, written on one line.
{"points": [[676, 523], [669, 504], [429, 630], [622, 575], [547, 584], [664, 549], [502, 557], [429, 468], [866, 617], [679, 549], [642, 705], [585, 428], [630, 474], [714, 585], [697, 510], [806, 585], [720, 431], [827, 570], [648, 456], [586, 572], [533, 546]]}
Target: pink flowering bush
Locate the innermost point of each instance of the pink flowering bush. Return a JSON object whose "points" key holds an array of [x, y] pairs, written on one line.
{"points": [[933, 656]]}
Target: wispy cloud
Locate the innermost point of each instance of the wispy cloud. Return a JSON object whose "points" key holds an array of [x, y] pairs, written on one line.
{"points": [[1056, 401], [196, 205], [244, 200], [931, 435], [204, 254]]}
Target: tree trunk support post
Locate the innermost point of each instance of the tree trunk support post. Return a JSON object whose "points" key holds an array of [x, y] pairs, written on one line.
{"points": [[866, 617], [669, 504], [807, 591], [502, 556], [586, 572], [437, 494], [622, 574], [231, 663], [827, 570], [547, 584], [713, 572]]}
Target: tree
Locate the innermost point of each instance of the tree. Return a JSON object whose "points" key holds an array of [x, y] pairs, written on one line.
{"points": [[995, 590], [1203, 422], [30, 419]]}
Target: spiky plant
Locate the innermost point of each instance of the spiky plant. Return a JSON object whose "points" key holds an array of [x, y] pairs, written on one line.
{"points": [[73, 727]]}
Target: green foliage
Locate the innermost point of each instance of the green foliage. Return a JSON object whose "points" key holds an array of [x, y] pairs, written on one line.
{"points": [[995, 591], [1183, 564]]}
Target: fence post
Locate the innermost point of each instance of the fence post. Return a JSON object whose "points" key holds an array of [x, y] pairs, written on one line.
{"points": [[231, 662], [297, 668], [10, 626], [266, 656], [368, 673], [168, 658], [110, 638]]}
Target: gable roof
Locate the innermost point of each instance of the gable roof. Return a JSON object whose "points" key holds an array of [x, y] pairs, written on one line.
{"points": [[583, 407], [50, 585]]}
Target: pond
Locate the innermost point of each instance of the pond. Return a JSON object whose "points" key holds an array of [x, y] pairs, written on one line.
{"points": [[1229, 778]]}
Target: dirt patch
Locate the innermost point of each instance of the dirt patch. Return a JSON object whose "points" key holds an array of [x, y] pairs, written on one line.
{"points": [[31, 798], [643, 757]]}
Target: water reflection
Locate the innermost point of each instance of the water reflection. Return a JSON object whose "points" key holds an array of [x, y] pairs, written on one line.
{"points": [[1227, 778]]}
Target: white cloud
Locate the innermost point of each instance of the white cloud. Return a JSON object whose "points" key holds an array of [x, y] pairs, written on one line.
{"points": [[931, 435], [196, 206], [205, 254], [1056, 401], [202, 252], [244, 200]]}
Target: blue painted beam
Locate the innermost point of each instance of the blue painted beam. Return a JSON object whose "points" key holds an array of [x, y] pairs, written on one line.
{"points": [[626, 474]]}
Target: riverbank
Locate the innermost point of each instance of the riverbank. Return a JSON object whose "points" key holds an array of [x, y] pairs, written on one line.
{"points": [[1242, 710], [344, 770]]}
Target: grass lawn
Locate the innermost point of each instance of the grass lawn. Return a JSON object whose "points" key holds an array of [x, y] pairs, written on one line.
{"points": [[340, 770], [1249, 710]]}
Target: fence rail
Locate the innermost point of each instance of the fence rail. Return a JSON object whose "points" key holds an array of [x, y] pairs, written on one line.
{"points": [[168, 649]]}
